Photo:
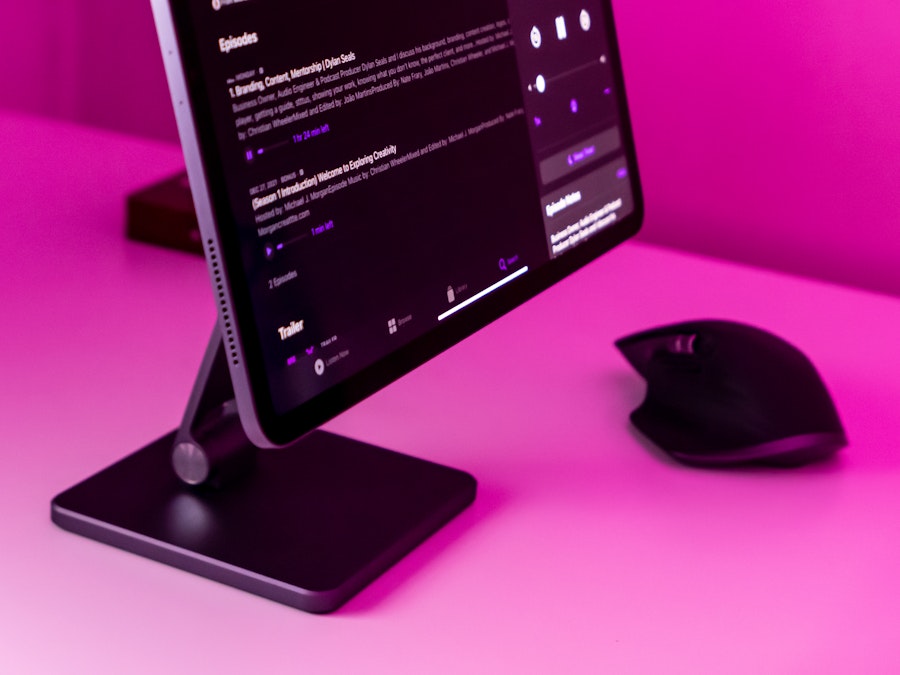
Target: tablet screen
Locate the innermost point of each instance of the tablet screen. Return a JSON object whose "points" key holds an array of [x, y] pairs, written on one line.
{"points": [[386, 178]]}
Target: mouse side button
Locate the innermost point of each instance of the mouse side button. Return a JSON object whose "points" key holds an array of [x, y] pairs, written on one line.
{"points": [[692, 447], [785, 453]]}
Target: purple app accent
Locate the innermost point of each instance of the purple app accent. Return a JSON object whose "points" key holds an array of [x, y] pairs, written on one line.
{"points": [[573, 106], [310, 350], [249, 155], [291, 361], [607, 91], [269, 251], [622, 173], [580, 156], [538, 122], [279, 247], [260, 151]]}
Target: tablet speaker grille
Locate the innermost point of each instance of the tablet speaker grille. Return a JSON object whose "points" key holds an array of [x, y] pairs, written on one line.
{"points": [[212, 255]]}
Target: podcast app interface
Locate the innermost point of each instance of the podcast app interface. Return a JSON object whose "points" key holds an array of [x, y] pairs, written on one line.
{"points": [[388, 165]]}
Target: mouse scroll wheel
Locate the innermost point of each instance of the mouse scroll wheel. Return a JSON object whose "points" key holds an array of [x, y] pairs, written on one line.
{"points": [[685, 345]]}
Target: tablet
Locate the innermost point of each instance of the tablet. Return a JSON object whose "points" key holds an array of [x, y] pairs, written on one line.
{"points": [[376, 181]]}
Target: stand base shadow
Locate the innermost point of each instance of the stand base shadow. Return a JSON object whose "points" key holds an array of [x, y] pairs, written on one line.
{"points": [[309, 527]]}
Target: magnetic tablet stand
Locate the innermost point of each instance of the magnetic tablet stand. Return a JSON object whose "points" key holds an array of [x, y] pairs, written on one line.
{"points": [[308, 525]]}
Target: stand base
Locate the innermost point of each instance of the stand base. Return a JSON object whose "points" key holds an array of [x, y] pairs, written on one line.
{"points": [[311, 526]]}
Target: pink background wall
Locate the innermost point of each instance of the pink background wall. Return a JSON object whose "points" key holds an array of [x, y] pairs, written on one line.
{"points": [[93, 61], [768, 132]]}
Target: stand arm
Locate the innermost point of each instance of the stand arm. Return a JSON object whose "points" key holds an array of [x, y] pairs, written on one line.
{"points": [[210, 446]]}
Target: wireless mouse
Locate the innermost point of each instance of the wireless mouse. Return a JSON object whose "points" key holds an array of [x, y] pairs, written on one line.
{"points": [[722, 393]]}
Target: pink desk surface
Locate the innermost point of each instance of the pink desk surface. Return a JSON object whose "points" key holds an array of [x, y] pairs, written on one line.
{"points": [[586, 551]]}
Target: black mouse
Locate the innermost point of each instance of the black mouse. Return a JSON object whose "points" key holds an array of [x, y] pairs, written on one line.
{"points": [[722, 393]]}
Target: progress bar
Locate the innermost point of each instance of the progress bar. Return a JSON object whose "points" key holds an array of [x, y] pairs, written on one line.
{"points": [[479, 296]]}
